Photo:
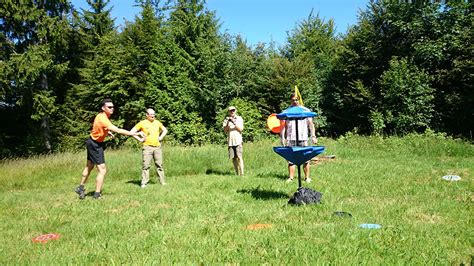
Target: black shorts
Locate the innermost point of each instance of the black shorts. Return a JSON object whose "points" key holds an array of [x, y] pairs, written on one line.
{"points": [[95, 151]]}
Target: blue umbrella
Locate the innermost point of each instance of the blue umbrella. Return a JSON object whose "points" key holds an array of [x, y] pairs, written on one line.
{"points": [[296, 112]]}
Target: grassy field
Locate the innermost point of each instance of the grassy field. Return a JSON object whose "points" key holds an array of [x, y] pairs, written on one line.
{"points": [[207, 215]]}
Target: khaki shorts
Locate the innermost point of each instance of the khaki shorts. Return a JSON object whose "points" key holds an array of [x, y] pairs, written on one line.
{"points": [[235, 151], [292, 143]]}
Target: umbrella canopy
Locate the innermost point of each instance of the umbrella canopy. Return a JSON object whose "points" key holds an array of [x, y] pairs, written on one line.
{"points": [[295, 112]]}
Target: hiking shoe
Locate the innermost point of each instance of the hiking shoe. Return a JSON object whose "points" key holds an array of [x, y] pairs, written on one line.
{"points": [[307, 180], [81, 192], [289, 180], [97, 195]]}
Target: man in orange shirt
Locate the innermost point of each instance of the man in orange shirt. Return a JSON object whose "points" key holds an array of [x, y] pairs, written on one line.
{"points": [[95, 148]]}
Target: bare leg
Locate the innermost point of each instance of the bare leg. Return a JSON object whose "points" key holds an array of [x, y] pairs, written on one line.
{"points": [[291, 170], [235, 161], [86, 172], [100, 177], [306, 170], [241, 166]]}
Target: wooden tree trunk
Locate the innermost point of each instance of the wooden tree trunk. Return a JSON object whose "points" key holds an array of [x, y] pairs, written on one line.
{"points": [[45, 121]]}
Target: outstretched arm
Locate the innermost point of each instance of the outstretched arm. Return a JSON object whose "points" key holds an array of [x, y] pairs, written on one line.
{"points": [[140, 138], [124, 131]]}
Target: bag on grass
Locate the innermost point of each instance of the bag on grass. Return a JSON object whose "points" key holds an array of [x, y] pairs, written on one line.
{"points": [[305, 196]]}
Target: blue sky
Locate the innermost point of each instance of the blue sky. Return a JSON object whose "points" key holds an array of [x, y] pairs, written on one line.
{"points": [[260, 20]]}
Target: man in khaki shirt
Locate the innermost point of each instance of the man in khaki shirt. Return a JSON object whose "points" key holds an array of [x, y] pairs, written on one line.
{"points": [[233, 126]]}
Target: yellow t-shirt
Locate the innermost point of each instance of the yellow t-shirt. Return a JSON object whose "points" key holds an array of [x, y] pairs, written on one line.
{"points": [[152, 131], [100, 127]]}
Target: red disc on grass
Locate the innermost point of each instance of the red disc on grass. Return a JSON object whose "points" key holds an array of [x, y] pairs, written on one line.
{"points": [[45, 238]]}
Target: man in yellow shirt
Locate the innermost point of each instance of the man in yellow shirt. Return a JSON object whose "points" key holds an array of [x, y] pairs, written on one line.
{"points": [[96, 146], [154, 133]]}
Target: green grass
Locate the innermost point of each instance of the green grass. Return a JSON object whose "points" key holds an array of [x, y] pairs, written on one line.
{"points": [[203, 215]]}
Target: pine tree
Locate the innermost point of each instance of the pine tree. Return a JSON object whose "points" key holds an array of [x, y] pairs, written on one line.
{"points": [[33, 67], [97, 63], [196, 53], [433, 37], [97, 22], [310, 49]]}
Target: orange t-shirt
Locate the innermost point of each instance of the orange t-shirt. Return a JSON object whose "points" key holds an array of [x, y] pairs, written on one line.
{"points": [[100, 127]]}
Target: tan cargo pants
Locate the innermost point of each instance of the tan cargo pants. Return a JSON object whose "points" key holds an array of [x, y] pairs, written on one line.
{"points": [[149, 153]]}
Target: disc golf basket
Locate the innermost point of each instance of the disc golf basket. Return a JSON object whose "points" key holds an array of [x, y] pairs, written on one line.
{"points": [[300, 154]]}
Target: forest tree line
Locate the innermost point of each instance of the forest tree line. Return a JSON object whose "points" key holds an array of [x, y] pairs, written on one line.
{"points": [[406, 66]]}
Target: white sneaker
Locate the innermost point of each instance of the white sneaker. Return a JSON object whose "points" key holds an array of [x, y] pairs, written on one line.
{"points": [[289, 180], [308, 180], [143, 186]]}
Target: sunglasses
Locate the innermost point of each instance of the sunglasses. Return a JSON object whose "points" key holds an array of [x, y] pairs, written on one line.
{"points": [[110, 107]]}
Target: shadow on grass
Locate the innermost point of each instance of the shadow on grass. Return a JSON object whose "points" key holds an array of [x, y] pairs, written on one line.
{"points": [[91, 193], [272, 175], [262, 194], [134, 182], [211, 171]]}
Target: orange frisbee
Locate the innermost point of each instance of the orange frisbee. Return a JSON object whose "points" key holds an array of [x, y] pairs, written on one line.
{"points": [[45, 238], [275, 124]]}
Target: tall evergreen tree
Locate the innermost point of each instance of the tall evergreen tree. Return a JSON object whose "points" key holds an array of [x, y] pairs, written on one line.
{"points": [[443, 46], [435, 37], [310, 49], [96, 22], [197, 52], [33, 67], [97, 63]]}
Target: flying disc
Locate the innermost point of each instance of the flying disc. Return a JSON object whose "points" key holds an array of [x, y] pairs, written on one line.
{"points": [[275, 124], [451, 177], [45, 238], [370, 226]]}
